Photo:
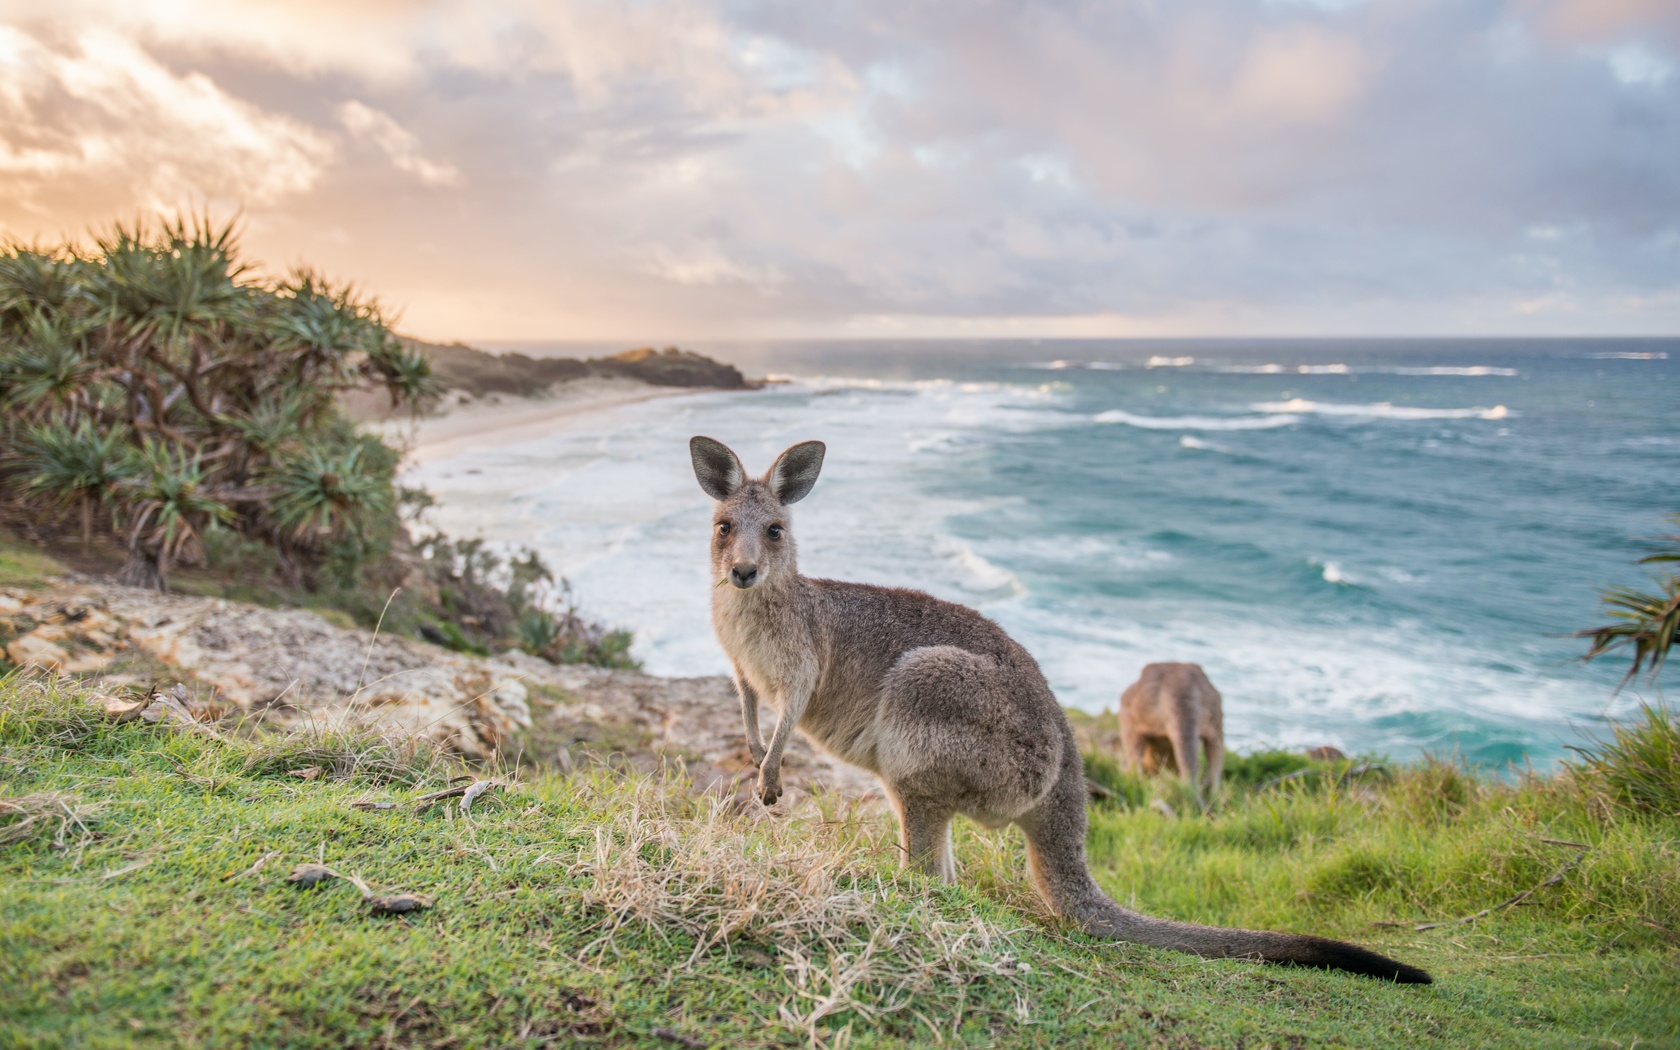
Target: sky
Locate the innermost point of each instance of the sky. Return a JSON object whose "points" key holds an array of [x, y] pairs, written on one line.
{"points": [[723, 169]]}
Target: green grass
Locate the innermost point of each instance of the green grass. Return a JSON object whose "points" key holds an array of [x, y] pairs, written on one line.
{"points": [[21, 565], [602, 910]]}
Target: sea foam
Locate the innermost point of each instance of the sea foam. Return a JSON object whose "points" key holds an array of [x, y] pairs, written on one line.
{"points": [[1296, 407], [1115, 415]]}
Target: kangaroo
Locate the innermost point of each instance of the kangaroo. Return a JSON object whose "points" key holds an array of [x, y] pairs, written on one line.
{"points": [[1175, 704], [948, 711]]}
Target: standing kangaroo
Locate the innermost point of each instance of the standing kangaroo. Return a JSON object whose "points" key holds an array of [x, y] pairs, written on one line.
{"points": [[948, 711], [1177, 705]]}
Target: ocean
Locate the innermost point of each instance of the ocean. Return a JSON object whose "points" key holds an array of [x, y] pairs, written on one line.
{"points": [[1379, 545]]}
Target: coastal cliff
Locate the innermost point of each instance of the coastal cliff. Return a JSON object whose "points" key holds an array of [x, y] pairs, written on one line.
{"points": [[476, 372], [283, 667]]}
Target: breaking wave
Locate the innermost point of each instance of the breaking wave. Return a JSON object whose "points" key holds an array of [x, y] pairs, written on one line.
{"points": [[1115, 415], [1296, 407]]}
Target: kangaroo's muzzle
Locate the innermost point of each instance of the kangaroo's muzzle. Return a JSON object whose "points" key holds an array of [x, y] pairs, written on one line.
{"points": [[744, 574]]}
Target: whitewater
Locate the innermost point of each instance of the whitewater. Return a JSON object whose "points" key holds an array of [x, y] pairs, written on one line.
{"points": [[1383, 547]]}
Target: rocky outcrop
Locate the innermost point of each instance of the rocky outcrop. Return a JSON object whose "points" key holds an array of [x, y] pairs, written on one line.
{"points": [[477, 373], [671, 367], [285, 665], [279, 662], [461, 367]]}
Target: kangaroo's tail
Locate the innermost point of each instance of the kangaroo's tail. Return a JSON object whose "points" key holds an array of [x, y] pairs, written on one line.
{"points": [[1101, 917], [1056, 849]]}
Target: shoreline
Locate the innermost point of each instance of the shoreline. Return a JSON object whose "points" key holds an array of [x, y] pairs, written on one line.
{"points": [[464, 423]]}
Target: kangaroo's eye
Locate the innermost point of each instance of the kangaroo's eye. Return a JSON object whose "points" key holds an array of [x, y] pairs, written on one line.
{"points": [[774, 532], [723, 528]]}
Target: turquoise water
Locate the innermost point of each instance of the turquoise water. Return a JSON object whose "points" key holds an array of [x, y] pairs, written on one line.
{"points": [[1377, 546]]}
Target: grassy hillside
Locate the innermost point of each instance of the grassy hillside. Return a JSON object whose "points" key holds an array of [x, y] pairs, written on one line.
{"points": [[144, 901]]}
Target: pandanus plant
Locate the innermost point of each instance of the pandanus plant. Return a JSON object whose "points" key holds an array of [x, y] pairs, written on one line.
{"points": [[1647, 623], [171, 505], [157, 378], [46, 369], [79, 466], [329, 499]]}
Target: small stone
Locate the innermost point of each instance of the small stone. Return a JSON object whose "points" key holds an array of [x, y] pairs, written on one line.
{"points": [[310, 874], [398, 903], [32, 649]]}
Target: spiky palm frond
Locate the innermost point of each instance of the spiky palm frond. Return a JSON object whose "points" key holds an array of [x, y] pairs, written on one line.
{"points": [[47, 364], [38, 279], [78, 466], [171, 503], [277, 421], [405, 374], [328, 494], [1646, 622], [316, 325], [168, 289]]}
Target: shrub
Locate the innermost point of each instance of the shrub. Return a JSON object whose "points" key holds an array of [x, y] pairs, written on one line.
{"points": [[1638, 769], [153, 377], [1647, 623]]}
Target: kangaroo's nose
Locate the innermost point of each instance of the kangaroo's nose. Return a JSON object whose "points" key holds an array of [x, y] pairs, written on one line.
{"points": [[743, 574]]}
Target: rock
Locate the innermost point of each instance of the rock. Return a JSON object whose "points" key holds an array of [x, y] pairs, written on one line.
{"points": [[476, 373], [293, 667], [1326, 753], [671, 367], [34, 650]]}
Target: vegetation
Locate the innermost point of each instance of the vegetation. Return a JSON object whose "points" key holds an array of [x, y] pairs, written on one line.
{"points": [[159, 400], [154, 389], [516, 597], [143, 901], [1645, 622]]}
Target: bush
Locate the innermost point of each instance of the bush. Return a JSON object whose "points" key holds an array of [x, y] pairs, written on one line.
{"points": [[1645, 622], [1638, 769], [151, 389], [154, 392], [514, 600]]}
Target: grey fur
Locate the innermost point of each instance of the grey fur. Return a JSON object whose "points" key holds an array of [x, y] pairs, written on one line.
{"points": [[946, 709], [1173, 704]]}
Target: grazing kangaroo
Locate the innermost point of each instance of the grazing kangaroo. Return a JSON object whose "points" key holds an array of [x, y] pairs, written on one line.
{"points": [[948, 711], [1173, 704]]}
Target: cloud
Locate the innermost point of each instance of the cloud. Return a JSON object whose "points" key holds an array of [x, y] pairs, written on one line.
{"points": [[98, 108], [399, 145], [672, 169]]}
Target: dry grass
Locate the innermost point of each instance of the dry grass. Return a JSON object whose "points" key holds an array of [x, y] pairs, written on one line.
{"points": [[347, 750], [29, 815], [810, 896]]}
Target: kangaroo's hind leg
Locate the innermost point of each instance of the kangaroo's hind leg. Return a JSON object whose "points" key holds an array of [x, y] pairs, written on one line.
{"points": [[1187, 749], [924, 836], [958, 733], [1133, 744], [1215, 764]]}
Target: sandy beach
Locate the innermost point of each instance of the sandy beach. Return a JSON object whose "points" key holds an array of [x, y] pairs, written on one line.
{"points": [[463, 424]]}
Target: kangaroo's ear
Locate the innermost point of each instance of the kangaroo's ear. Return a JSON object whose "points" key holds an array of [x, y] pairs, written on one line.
{"points": [[717, 468], [796, 470]]}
